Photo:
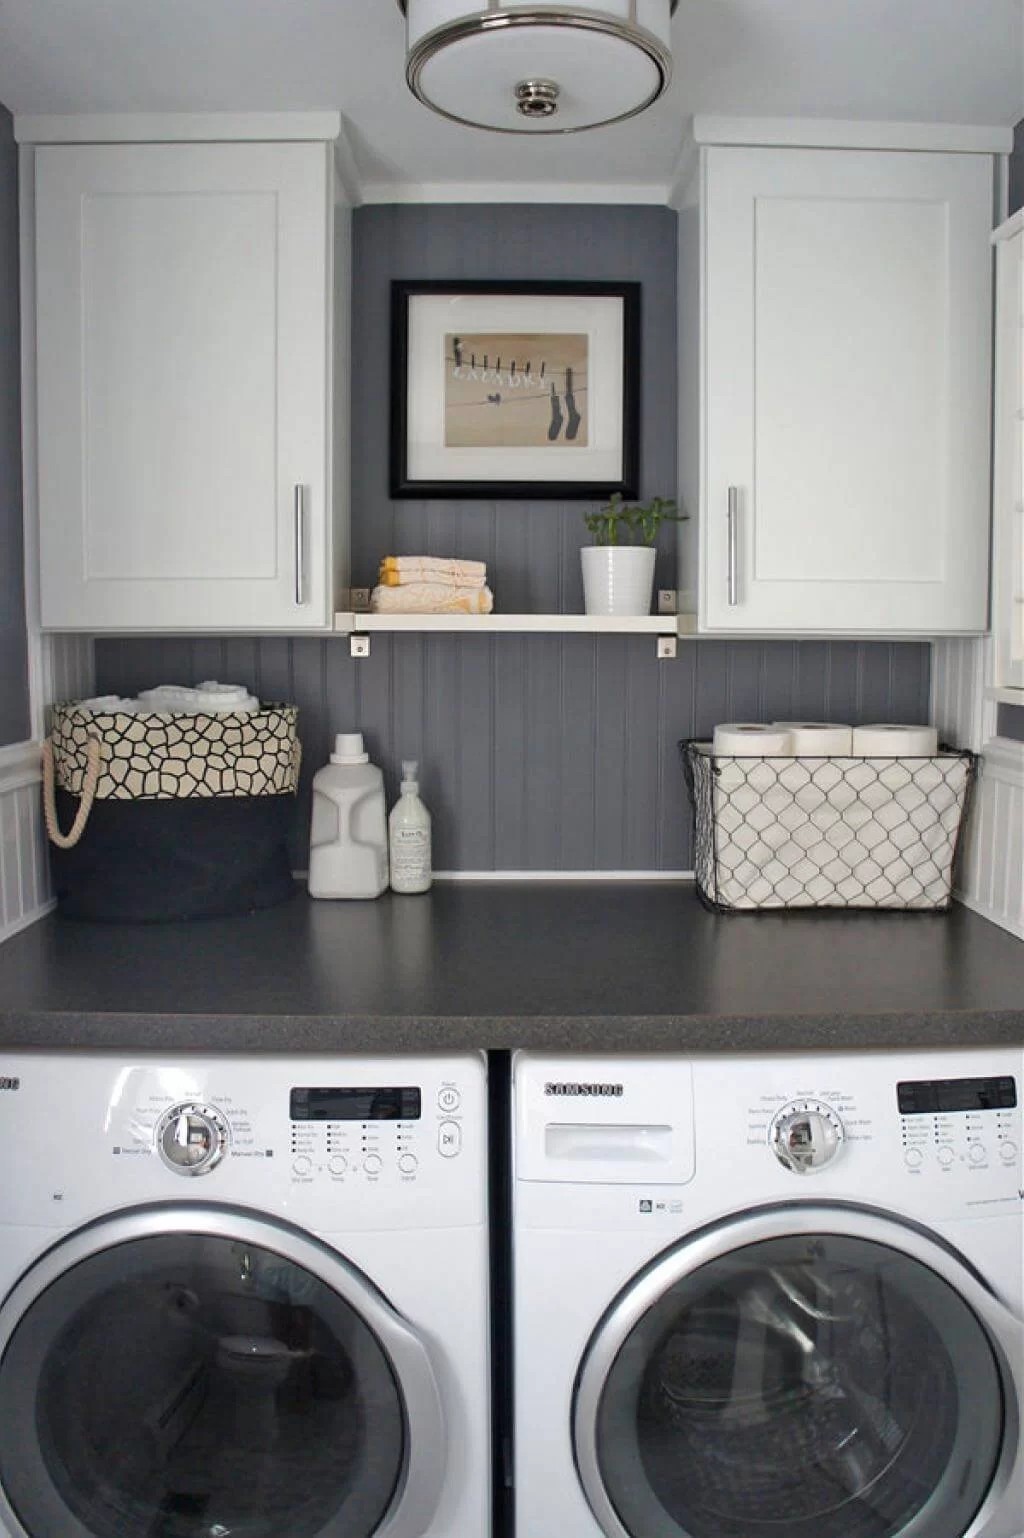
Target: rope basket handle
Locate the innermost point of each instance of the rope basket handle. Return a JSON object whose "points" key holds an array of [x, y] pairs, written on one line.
{"points": [[93, 754]]}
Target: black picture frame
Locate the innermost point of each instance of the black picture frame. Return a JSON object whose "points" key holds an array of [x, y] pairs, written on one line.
{"points": [[431, 468]]}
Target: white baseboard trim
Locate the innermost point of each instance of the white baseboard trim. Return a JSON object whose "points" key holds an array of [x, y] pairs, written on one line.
{"points": [[10, 930], [638, 876], [993, 915], [19, 765], [620, 876]]}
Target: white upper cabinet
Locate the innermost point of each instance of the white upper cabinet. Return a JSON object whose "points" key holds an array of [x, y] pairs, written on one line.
{"points": [[183, 326], [844, 394], [1008, 476]]}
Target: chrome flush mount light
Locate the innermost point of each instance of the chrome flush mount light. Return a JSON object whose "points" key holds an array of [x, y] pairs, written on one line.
{"points": [[544, 66]]}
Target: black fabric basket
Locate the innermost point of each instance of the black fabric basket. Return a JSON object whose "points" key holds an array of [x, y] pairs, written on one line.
{"points": [[153, 862], [163, 816], [839, 832]]}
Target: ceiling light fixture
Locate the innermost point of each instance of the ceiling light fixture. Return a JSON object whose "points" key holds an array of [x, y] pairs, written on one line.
{"points": [[544, 66]]}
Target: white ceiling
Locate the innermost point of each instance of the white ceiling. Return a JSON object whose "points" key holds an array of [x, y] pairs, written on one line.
{"points": [[951, 61]]}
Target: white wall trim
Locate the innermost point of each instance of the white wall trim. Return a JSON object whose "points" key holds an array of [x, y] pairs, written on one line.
{"points": [[836, 133], [346, 171], [517, 192], [1009, 228], [19, 765], [168, 127], [1012, 926]]}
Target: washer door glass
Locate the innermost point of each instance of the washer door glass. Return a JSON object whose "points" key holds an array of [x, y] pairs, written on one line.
{"points": [[192, 1386], [819, 1386]]}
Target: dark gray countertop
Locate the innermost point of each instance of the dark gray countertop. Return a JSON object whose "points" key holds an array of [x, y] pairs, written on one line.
{"points": [[584, 965]]}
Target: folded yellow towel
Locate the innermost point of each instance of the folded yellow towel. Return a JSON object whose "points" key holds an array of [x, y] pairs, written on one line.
{"points": [[397, 570], [431, 598]]}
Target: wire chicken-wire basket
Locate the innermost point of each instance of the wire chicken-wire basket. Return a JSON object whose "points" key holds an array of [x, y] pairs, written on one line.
{"points": [[840, 832]]}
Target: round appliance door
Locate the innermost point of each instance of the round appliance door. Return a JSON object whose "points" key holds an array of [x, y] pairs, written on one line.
{"points": [[811, 1371], [205, 1373]]}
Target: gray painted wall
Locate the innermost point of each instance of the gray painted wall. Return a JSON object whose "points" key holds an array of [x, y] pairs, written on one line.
{"points": [[539, 752], [14, 712], [531, 548], [1017, 169]]}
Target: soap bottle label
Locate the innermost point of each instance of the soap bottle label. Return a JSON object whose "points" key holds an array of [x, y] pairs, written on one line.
{"points": [[410, 852]]}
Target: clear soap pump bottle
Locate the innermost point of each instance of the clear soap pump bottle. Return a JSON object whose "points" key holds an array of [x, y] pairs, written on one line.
{"points": [[409, 836]]}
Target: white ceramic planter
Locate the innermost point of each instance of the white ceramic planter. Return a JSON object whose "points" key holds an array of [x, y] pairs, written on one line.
{"points": [[618, 579]]}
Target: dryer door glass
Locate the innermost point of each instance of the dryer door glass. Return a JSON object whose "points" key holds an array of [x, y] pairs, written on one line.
{"points": [[193, 1386], [820, 1386]]}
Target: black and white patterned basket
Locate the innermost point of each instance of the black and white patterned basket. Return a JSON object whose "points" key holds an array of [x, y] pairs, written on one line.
{"points": [[842, 832]]}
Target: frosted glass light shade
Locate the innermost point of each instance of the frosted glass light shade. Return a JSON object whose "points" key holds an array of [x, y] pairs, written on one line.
{"points": [[540, 67]]}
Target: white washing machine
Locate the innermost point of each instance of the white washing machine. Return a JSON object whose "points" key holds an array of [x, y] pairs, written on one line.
{"points": [[767, 1296], [243, 1298]]}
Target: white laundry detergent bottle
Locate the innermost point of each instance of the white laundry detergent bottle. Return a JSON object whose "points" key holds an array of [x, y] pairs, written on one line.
{"points": [[409, 829], [348, 839]]}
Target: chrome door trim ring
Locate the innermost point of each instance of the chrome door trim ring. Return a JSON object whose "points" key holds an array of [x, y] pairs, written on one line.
{"points": [[1004, 1331], [496, 21], [419, 1491]]}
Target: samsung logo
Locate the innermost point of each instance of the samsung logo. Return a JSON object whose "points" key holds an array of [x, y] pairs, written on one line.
{"points": [[10, 1083], [583, 1089]]}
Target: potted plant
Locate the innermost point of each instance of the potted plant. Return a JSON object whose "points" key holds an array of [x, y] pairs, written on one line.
{"points": [[618, 568]]}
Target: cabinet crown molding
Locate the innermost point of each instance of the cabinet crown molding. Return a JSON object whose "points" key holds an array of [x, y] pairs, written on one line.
{"points": [[837, 133], [175, 127]]}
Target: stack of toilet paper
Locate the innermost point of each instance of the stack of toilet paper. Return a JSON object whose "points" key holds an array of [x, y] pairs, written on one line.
{"points": [[814, 814]]}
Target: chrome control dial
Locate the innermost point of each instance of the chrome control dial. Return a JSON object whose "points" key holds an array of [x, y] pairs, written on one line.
{"points": [[191, 1138], [805, 1136]]}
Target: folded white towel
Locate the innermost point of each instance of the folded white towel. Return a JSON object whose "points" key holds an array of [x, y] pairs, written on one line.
{"points": [[210, 698], [431, 598], [399, 570]]}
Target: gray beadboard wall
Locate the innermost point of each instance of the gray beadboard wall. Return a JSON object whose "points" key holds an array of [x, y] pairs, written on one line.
{"points": [[14, 711], [531, 548], [546, 753]]}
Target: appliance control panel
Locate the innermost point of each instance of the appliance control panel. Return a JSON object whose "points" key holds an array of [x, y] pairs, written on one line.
{"points": [[952, 1125], [331, 1143]]}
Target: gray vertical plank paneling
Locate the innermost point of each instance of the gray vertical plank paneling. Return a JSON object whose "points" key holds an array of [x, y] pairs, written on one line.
{"points": [[513, 747], [611, 787], [541, 752], [578, 680], [474, 745], [542, 849], [643, 756]]}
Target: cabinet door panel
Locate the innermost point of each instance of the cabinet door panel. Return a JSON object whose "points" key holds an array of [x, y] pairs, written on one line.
{"points": [[846, 380], [182, 334]]}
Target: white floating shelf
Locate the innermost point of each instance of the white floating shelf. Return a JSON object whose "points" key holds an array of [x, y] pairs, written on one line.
{"points": [[591, 624], [1005, 696]]}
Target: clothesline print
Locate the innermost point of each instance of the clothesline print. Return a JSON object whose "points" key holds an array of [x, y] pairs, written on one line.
{"points": [[543, 374]]}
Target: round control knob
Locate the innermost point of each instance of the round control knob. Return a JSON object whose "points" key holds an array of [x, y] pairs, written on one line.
{"points": [[337, 1164], [191, 1138], [1007, 1152], [805, 1136], [408, 1163], [372, 1164], [913, 1157], [302, 1165], [946, 1157], [978, 1153]]}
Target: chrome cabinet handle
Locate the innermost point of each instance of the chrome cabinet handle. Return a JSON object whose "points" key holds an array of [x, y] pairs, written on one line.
{"points": [[733, 517], [300, 545]]}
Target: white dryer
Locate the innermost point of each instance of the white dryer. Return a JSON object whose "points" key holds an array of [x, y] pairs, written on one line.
{"points": [[765, 1296], [243, 1298]]}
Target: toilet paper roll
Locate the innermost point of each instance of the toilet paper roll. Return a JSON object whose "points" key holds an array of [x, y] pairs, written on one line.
{"points": [[817, 739], [751, 739], [895, 741]]}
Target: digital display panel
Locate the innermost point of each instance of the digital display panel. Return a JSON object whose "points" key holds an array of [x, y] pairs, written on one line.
{"points": [[928, 1097], [378, 1103]]}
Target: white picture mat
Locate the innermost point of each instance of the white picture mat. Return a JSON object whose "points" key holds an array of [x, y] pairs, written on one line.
{"points": [[432, 317]]}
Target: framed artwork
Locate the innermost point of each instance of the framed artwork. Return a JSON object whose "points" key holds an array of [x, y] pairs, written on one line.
{"points": [[514, 389]]}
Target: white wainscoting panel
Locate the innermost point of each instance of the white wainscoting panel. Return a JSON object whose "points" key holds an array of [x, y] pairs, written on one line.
{"points": [[25, 893], [63, 669], [992, 872]]}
